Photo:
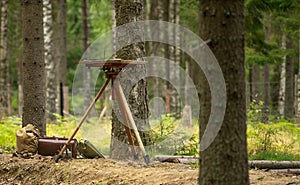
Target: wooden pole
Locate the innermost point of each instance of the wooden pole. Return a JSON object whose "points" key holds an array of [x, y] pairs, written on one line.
{"points": [[82, 120], [125, 110], [126, 124]]}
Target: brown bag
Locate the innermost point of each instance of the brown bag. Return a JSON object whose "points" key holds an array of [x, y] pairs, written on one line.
{"points": [[27, 140]]}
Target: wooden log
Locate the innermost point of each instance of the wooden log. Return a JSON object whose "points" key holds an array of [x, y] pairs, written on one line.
{"points": [[264, 164], [288, 171], [176, 159], [260, 164]]}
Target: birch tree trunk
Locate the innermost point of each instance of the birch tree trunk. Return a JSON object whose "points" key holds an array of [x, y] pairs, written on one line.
{"points": [[49, 61], [3, 58], [282, 79], [130, 11], [33, 65], [225, 161]]}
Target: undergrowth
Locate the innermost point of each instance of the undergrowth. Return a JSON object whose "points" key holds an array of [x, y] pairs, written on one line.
{"points": [[273, 141]]}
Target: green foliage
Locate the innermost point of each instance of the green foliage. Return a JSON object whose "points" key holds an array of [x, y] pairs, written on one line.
{"points": [[8, 128], [276, 156], [254, 112], [171, 137], [277, 138]]}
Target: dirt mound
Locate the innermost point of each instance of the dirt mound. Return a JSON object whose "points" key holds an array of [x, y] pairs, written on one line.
{"points": [[43, 170]]}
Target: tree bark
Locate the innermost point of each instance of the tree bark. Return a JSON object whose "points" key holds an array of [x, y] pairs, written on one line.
{"points": [[130, 11], [275, 86], [3, 58], [85, 44], [20, 68], [223, 23], [255, 80], [266, 75], [60, 46], [289, 85], [266, 94], [166, 17], [282, 79], [49, 61], [33, 65], [297, 88]]}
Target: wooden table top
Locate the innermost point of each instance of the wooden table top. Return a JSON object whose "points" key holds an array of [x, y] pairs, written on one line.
{"points": [[111, 63]]}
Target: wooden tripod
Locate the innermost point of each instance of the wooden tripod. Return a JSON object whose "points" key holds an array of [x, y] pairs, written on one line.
{"points": [[114, 68]]}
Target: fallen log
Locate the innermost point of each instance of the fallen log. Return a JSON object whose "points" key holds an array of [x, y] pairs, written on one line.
{"points": [[260, 164], [176, 159], [289, 171], [264, 164]]}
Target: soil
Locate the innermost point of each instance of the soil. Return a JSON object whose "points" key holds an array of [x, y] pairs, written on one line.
{"points": [[43, 170]]}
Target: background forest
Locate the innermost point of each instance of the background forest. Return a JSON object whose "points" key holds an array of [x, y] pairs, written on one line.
{"points": [[272, 67]]}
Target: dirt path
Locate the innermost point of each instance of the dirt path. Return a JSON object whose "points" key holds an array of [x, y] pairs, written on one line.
{"points": [[43, 170]]}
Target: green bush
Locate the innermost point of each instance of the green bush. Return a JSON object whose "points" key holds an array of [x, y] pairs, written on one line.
{"points": [[276, 138], [8, 128]]}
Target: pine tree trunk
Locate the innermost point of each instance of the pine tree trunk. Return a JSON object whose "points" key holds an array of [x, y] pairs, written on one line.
{"points": [[130, 11], [60, 46], [275, 86], [85, 44], [282, 80], [49, 61], [266, 75], [297, 88], [166, 17], [33, 65], [3, 58], [255, 76], [20, 69], [226, 157], [289, 86], [266, 94]]}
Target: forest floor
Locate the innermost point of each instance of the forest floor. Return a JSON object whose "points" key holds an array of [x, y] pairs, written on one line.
{"points": [[43, 170]]}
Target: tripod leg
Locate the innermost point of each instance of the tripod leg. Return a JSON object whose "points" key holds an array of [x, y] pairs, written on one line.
{"points": [[125, 110], [127, 129], [82, 120]]}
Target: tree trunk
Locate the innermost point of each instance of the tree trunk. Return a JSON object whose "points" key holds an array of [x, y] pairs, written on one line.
{"points": [[3, 58], [226, 157], [60, 46], [297, 88], [289, 85], [33, 65], [20, 70], [266, 75], [85, 44], [275, 88], [266, 94], [130, 11], [255, 79], [50, 64], [166, 17], [282, 79]]}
